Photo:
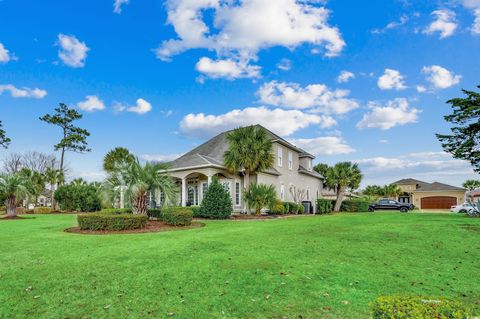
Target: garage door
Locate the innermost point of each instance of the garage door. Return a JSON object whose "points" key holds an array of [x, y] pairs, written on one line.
{"points": [[438, 202]]}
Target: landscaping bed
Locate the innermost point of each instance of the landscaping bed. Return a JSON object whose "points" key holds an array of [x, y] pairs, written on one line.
{"points": [[152, 226]]}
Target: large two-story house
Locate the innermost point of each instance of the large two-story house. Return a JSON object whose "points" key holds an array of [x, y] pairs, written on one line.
{"points": [[292, 173]]}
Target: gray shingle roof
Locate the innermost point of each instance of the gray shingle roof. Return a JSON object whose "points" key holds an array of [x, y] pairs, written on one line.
{"points": [[426, 187], [211, 152]]}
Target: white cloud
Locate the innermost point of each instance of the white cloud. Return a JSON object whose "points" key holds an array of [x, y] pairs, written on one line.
{"points": [[326, 145], [476, 23], [227, 68], [284, 65], [396, 112], [391, 80], [117, 5], [444, 23], [421, 89], [383, 141], [5, 55], [72, 51], [23, 92], [316, 97], [392, 25], [282, 122], [474, 5], [142, 107], [91, 104], [159, 157], [440, 77], [242, 28], [345, 76]]}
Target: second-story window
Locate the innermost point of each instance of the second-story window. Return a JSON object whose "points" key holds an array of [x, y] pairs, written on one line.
{"points": [[309, 164], [290, 160], [280, 156]]}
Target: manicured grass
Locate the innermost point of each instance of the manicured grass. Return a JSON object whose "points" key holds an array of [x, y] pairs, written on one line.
{"points": [[308, 267]]}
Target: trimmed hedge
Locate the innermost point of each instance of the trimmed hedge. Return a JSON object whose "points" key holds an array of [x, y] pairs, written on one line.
{"points": [[80, 198], [177, 216], [153, 212], [101, 221], [43, 210], [325, 206], [354, 206], [406, 307]]}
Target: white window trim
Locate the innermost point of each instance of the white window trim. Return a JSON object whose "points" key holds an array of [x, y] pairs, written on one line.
{"points": [[280, 156], [290, 160]]}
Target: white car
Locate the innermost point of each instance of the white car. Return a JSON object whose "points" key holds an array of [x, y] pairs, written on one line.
{"points": [[465, 207]]}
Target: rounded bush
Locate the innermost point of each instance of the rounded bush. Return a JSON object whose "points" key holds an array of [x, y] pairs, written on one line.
{"points": [[177, 216], [325, 206], [112, 222], [216, 203], [42, 210]]}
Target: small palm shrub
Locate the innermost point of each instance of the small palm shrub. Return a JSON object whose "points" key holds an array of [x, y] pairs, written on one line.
{"points": [[406, 307], [111, 222], [324, 206], [260, 196], [278, 209], [216, 203], [177, 216], [301, 209]]}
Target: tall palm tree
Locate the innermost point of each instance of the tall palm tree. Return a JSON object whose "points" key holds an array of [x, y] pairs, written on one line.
{"points": [[261, 196], [391, 191], [139, 181], [249, 149], [343, 176], [53, 177], [115, 157], [79, 182], [13, 188]]}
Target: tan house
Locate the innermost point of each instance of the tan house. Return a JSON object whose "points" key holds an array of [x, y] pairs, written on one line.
{"points": [[292, 174], [430, 195]]}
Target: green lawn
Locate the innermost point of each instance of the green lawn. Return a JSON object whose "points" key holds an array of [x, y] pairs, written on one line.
{"points": [[308, 267]]}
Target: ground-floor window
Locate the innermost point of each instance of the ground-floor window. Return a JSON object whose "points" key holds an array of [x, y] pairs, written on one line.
{"points": [[282, 192], [237, 193]]}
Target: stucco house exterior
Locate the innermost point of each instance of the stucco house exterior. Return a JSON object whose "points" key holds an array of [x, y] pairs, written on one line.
{"points": [[430, 195], [293, 170]]}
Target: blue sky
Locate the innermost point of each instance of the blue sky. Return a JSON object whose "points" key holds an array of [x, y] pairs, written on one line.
{"points": [[159, 77]]}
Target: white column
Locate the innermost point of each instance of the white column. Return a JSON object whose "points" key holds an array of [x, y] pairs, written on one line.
{"points": [[209, 179], [122, 200], [184, 192]]}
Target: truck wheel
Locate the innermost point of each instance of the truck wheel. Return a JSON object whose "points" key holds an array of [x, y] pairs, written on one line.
{"points": [[403, 210], [371, 210]]}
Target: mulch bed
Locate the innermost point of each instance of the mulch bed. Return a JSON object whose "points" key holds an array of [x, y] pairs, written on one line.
{"points": [[13, 218], [152, 227]]}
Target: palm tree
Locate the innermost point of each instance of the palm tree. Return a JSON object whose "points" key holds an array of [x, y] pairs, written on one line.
{"points": [[261, 196], [471, 184], [115, 157], [13, 188], [53, 177], [391, 191], [79, 182], [250, 150], [139, 181], [343, 176]]}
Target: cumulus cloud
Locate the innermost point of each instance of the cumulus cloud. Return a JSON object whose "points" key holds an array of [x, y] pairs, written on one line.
{"points": [[474, 6], [142, 107], [282, 122], [315, 97], [23, 92], [72, 51], [227, 68], [117, 5], [394, 113], [345, 76], [391, 80], [392, 25], [445, 23], [159, 157], [288, 23], [326, 145], [5, 55], [92, 103], [439, 77], [421, 89]]}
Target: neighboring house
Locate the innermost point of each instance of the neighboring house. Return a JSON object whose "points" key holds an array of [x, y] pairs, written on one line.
{"points": [[474, 195], [429, 195], [292, 172]]}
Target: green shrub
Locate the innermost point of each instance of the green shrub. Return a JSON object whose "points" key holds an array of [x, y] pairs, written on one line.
{"points": [[177, 216], [354, 206], [406, 307], [100, 221], [324, 206], [43, 210], [196, 211], [80, 198], [152, 212], [278, 209], [293, 207], [216, 203], [301, 209], [286, 207]]}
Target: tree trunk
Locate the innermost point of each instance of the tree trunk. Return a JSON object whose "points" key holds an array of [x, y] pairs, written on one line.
{"points": [[340, 195], [52, 198], [11, 206], [246, 180], [62, 157], [140, 204]]}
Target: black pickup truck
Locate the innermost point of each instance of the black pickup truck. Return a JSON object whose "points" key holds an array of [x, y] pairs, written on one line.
{"points": [[389, 204]]}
